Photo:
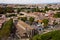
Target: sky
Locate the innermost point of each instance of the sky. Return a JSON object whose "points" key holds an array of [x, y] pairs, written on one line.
{"points": [[29, 1]]}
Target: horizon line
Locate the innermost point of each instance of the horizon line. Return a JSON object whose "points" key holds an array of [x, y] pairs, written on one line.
{"points": [[31, 3]]}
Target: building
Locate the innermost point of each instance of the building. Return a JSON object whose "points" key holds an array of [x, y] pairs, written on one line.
{"points": [[2, 20], [24, 30]]}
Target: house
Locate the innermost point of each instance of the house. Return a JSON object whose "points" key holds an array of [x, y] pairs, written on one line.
{"points": [[24, 30], [2, 20]]}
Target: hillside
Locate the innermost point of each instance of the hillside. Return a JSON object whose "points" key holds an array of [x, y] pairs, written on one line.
{"points": [[54, 35]]}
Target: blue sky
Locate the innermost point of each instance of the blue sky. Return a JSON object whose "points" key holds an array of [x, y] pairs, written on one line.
{"points": [[29, 1]]}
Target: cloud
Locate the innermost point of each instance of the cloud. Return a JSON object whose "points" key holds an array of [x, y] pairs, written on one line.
{"points": [[29, 1]]}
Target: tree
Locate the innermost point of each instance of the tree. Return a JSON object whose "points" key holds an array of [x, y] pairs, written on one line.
{"points": [[36, 9], [55, 23], [45, 21], [24, 19], [6, 29], [46, 8], [9, 9], [57, 15], [18, 10], [53, 35], [31, 20], [11, 15], [2, 11], [43, 11]]}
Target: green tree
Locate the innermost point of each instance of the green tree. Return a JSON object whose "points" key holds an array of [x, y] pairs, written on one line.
{"points": [[9, 9], [2, 11], [18, 10], [57, 15], [6, 29], [46, 8], [31, 20], [23, 19], [45, 21], [53, 35], [36, 9], [11, 15]]}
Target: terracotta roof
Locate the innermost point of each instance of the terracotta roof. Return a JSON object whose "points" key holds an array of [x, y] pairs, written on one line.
{"points": [[25, 25], [39, 20], [22, 28]]}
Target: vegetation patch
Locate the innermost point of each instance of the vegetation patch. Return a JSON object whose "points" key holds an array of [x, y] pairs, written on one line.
{"points": [[54, 35]]}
